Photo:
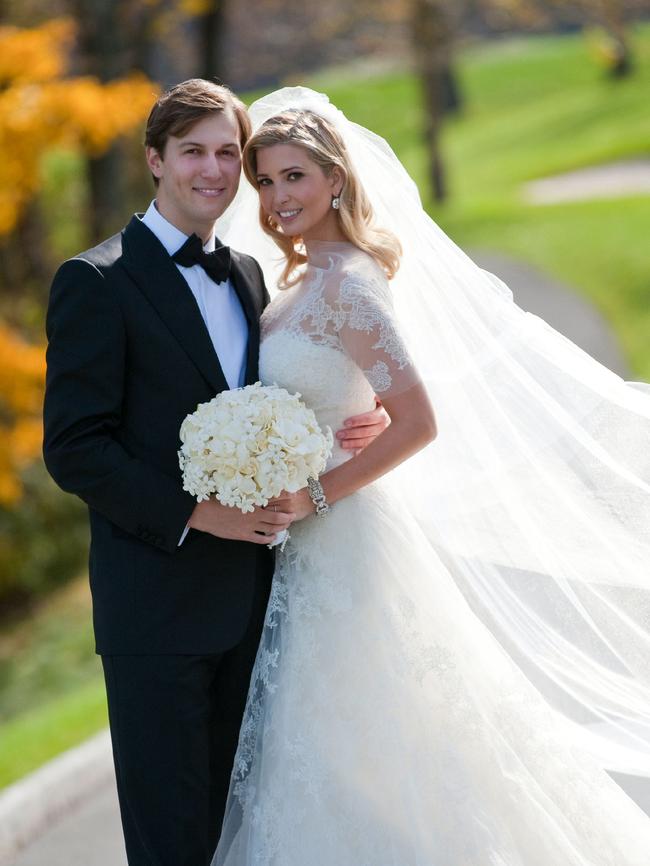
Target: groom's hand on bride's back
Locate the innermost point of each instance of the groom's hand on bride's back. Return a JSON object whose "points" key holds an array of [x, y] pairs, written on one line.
{"points": [[259, 526], [360, 430]]}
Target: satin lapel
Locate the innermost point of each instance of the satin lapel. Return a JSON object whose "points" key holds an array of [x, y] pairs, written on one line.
{"points": [[242, 281], [157, 277]]}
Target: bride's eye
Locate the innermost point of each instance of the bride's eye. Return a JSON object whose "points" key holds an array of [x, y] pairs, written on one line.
{"points": [[295, 175], [263, 181]]}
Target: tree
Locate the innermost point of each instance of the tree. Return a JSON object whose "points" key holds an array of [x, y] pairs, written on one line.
{"points": [[40, 108], [22, 376], [433, 26], [104, 53], [211, 18], [611, 15]]}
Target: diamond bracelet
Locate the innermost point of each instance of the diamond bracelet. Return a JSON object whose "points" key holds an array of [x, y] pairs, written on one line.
{"points": [[317, 496]]}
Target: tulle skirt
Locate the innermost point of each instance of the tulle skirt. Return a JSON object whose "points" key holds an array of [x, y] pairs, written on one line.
{"points": [[386, 725]]}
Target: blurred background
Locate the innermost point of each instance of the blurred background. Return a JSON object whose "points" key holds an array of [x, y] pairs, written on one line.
{"points": [[526, 124]]}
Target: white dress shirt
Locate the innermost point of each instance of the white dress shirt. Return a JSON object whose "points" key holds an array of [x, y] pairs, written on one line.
{"points": [[218, 302]]}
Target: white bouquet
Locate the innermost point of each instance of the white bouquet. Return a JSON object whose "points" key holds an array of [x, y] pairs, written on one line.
{"points": [[248, 445]]}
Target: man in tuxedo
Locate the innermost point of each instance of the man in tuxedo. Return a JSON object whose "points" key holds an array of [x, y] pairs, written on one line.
{"points": [[141, 329]]}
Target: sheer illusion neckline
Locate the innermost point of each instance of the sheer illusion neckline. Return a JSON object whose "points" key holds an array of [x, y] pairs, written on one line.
{"points": [[319, 252]]}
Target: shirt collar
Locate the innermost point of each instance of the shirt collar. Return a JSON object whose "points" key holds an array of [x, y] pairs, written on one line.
{"points": [[169, 236]]}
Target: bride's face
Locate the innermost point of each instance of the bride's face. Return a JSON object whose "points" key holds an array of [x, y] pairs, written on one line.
{"points": [[297, 194]]}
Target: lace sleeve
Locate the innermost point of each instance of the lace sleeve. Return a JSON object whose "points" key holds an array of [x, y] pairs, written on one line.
{"points": [[369, 333]]}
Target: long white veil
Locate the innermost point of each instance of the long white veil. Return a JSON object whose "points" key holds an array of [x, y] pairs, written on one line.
{"points": [[536, 492]]}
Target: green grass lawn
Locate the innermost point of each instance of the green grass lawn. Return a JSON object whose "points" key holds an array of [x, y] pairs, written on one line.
{"points": [[534, 107], [51, 684], [33, 737]]}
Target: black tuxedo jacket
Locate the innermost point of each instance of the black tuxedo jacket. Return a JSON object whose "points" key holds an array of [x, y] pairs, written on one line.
{"points": [[129, 356]]}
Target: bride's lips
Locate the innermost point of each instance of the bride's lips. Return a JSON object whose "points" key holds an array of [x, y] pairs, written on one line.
{"points": [[287, 216]]}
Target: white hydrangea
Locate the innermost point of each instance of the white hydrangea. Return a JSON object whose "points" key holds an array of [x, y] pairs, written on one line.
{"points": [[248, 445]]}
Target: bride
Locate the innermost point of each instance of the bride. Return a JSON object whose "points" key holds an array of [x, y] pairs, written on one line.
{"points": [[455, 653]]}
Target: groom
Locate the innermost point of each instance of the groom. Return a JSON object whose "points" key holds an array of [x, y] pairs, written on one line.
{"points": [[141, 329]]}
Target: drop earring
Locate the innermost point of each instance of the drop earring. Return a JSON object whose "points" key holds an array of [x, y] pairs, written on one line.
{"points": [[336, 201]]}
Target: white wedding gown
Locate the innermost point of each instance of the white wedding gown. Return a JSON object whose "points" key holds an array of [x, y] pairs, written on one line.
{"points": [[386, 725]]}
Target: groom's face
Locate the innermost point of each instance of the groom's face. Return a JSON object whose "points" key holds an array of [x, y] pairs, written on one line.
{"points": [[198, 173]]}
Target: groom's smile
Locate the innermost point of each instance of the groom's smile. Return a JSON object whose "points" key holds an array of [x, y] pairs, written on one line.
{"points": [[198, 173], [210, 193]]}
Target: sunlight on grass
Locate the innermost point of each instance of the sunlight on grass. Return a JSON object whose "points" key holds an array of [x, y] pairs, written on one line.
{"points": [[51, 682], [31, 739]]}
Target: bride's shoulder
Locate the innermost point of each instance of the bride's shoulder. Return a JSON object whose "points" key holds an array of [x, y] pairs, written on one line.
{"points": [[357, 272], [363, 279]]}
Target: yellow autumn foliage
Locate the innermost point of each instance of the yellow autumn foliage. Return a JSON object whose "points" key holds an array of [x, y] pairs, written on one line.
{"points": [[40, 109], [195, 7], [22, 376], [35, 54]]}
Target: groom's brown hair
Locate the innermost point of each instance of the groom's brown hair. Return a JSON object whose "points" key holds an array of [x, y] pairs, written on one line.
{"points": [[180, 107]]}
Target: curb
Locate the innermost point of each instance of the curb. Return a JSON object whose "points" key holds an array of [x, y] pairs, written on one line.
{"points": [[31, 805]]}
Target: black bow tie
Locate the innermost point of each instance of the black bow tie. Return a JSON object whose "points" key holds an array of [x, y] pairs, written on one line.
{"points": [[215, 264]]}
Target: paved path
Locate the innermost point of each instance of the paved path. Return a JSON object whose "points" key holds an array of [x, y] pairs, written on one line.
{"points": [[91, 834], [611, 180]]}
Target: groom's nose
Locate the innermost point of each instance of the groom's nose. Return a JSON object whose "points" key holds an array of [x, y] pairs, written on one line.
{"points": [[211, 166]]}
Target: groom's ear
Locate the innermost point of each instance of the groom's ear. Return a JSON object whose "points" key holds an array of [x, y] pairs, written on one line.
{"points": [[154, 161]]}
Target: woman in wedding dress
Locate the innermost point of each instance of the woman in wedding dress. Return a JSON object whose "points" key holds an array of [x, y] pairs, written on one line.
{"points": [[456, 651]]}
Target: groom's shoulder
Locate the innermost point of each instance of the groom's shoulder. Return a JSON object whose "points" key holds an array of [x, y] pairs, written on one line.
{"points": [[104, 254], [85, 281], [91, 268], [102, 260]]}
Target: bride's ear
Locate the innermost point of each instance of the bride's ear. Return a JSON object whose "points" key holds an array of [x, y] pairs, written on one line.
{"points": [[336, 179]]}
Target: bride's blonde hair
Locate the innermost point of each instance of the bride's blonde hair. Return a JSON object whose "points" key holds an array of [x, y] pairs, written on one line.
{"points": [[325, 147]]}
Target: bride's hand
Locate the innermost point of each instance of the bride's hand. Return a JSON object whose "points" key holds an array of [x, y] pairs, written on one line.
{"points": [[298, 504]]}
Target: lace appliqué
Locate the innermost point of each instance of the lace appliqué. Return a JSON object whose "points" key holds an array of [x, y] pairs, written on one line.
{"points": [[262, 681], [366, 307], [379, 377], [333, 304]]}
